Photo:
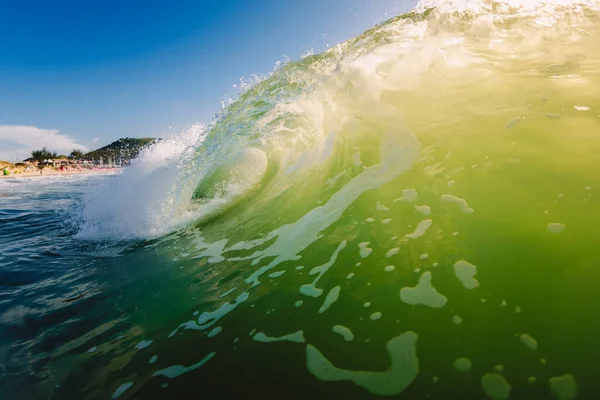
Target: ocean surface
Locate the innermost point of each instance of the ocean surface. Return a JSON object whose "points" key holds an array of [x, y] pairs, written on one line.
{"points": [[413, 213]]}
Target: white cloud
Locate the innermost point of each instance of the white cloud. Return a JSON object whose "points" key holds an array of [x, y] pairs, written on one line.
{"points": [[17, 141], [94, 140]]}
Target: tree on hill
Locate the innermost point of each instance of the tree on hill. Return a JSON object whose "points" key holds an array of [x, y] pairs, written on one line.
{"points": [[43, 154], [76, 154]]}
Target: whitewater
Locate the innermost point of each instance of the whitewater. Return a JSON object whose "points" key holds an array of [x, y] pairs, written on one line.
{"points": [[411, 213]]}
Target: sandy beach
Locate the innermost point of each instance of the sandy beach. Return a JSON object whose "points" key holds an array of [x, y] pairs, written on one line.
{"points": [[50, 172]]}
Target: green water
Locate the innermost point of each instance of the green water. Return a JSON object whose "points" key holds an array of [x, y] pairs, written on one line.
{"points": [[518, 176], [431, 187]]}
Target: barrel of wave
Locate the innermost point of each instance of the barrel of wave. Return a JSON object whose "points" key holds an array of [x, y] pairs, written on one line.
{"points": [[232, 180]]}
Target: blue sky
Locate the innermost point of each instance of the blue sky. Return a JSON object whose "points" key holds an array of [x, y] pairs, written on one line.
{"points": [[85, 73]]}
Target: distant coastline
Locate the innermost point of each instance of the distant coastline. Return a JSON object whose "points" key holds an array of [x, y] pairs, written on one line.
{"points": [[52, 172], [109, 159]]}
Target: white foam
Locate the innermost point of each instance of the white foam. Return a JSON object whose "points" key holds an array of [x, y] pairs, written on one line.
{"points": [[563, 387], [344, 331], [375, 316], [424, 293], [332, 297], [143, 344], [121, 389], [402, 372], [381, 207], [178, 370], [145, 200], [392, 252], [425, 210], [364, 250], [408, 195], [420, 230], [389, 268], [209, 318], [214, 331], [311, 289], [192, 325], [465, 272], [227, 293], [462, 203], [516, 7], [296, 337], [529, 341], [276, 274], [556, 227], [462, 364], [495, 386]]}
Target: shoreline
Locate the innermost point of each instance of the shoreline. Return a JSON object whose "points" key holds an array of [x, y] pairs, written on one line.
{"points": [[36, 174]]}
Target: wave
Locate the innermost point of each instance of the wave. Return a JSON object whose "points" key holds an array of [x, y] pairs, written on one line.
{"points": [[306, 131]]}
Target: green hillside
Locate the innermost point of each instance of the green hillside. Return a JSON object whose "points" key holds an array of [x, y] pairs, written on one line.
{"points": [[125, 148]]}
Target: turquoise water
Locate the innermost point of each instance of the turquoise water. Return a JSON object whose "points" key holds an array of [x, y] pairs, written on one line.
{"points": [[412, 213]]}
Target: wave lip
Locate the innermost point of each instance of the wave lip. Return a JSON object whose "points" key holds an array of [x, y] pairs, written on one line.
{"points": [[144, 200], [489, 5]]}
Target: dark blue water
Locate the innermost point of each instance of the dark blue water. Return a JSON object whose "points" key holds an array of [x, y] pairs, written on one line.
{"points": [[46, 277], [59, 296], [87, 319]]}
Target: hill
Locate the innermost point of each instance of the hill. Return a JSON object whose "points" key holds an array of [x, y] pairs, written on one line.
{"points": [[124, 148]]}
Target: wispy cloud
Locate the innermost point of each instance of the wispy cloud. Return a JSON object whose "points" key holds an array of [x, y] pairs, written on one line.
{"points": [[17, 141], [94, 140]]}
